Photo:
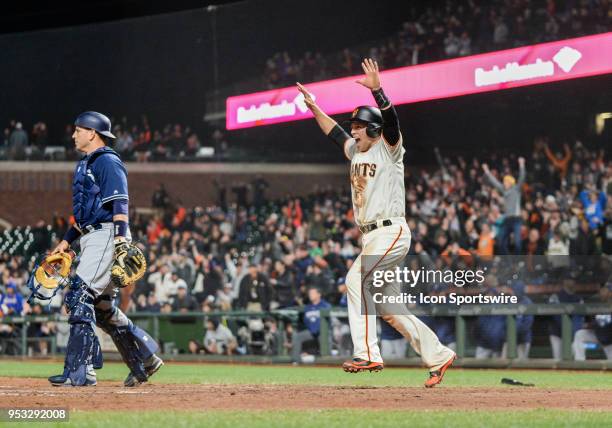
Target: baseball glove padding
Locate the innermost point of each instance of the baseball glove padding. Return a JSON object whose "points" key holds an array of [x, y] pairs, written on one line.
{"points": [[129, 264]]}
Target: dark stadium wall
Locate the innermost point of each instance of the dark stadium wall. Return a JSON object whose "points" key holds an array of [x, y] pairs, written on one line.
{"points": [[128, 67], [34, 191]]}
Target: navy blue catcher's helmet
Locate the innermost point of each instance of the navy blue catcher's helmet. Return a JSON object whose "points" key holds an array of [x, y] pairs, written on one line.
{"points": [[96, 121]]}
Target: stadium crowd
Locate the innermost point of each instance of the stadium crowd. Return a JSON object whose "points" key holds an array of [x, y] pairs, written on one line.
{"points": [[255, 254], [450, 29], [136, 141]]}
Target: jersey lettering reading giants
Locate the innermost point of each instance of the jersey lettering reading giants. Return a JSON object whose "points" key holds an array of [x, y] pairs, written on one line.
{"points": [[377, 181]]}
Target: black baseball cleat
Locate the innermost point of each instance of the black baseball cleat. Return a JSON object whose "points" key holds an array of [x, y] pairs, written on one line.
{"points": [[153, 365], [357, 365]]}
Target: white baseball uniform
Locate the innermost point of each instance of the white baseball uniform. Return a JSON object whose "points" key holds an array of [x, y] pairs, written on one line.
{"points": [[378, 193]]}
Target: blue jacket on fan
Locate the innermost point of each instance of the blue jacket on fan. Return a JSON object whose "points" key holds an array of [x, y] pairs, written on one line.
{"points": [[312, 316]]}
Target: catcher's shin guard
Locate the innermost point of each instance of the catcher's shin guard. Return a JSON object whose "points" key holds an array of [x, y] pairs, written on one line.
{"points": [[82, 351], [132, 342], [110, 317], [83, 347], [127, 347], [146, 344]]}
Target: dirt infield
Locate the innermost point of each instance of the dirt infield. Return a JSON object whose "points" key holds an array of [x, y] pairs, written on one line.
{"points": [[23, 392]]}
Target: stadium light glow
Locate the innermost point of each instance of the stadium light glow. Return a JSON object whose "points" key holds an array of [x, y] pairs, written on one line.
{"points": [[600, 122]]}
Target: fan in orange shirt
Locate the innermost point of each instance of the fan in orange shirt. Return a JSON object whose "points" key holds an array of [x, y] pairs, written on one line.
{"points": [[453, 251], [486, 242], [179, 215], [560, 162]]}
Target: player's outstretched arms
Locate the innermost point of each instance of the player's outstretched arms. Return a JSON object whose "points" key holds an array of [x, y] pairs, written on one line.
{"points": [[371, 80], [328, 125]]}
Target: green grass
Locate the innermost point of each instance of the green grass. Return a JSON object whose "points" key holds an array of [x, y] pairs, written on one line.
{"points": [[332, 376], [338, 418]]}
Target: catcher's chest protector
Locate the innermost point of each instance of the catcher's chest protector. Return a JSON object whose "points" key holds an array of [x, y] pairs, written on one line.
{"points": [[85, 192]]}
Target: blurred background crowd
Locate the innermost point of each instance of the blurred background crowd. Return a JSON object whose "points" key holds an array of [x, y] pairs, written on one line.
{"points": [[538, 213], [136, 141], [250, 253], [449, 29]]}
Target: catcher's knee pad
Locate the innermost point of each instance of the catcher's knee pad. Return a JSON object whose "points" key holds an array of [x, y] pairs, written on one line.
{"points": [[80, 303], [108, 316], [104, 302]]}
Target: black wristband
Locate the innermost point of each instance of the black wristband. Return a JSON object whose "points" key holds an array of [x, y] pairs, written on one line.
{"points": [[121, 227], [338, 135], [381, 99]]}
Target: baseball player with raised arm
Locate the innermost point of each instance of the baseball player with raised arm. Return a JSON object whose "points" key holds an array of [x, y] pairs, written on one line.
{"points": [[108, 260], [376, 152]]}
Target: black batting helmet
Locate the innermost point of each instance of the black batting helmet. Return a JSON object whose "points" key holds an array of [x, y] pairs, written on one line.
{"points": [[96, 121], [371, 116]]}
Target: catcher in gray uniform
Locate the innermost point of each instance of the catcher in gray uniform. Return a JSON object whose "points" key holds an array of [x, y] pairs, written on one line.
{"points": [[108, 261]]}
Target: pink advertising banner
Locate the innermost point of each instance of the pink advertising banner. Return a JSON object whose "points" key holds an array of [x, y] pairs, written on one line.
{"points": [[529, 65]]}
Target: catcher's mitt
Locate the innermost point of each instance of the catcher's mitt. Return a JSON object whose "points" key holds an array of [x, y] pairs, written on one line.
{"points": [[129, 264]]}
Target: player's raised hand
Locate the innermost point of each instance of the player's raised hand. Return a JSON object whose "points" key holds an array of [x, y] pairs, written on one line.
{"points": [[308, 98], [372, 78], [325, 122]]}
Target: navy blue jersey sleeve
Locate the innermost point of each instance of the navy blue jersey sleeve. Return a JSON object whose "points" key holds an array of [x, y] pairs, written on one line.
{"points": [[111, 177]]}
